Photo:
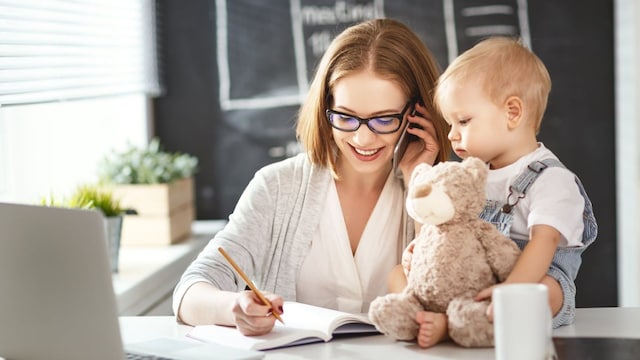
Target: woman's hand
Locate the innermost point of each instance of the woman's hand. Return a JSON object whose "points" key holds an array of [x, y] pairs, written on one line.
{"points": [[424, 151], [407, 254], [400, 274], [251, 316]]}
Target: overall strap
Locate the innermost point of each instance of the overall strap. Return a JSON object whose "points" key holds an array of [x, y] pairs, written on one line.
{"points": [[518, 189], [531, 173]]}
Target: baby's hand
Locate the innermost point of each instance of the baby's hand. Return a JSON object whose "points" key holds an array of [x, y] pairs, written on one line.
{"points": [[486, 294]]}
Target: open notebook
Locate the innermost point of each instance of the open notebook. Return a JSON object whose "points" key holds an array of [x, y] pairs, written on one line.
{"points": [[303, 324], [56, 292]]}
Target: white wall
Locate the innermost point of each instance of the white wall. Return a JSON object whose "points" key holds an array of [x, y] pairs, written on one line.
{"points": [[51, 148], [627, 79]]}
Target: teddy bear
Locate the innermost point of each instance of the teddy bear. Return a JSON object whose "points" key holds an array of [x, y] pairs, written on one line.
{"points": [[455, 256]]}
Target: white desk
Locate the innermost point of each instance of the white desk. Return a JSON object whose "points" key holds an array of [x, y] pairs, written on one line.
{"points": [[604, 322], [148, 274]]}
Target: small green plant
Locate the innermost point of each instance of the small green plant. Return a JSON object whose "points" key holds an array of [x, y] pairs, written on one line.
{"points": [[148, 165], [96, 197], [88, 197]]}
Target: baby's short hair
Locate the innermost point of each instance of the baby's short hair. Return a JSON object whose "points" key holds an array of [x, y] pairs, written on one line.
{"points": [[506, 68]]}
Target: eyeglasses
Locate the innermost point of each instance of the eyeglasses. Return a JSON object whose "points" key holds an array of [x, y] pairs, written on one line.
{"points": [[381, 124]]}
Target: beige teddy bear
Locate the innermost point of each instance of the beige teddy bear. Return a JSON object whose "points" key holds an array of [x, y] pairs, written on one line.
{"points": [[456, 255]]}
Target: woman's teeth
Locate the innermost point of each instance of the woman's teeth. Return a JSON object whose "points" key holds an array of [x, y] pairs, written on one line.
{"points": [[366, 152]]}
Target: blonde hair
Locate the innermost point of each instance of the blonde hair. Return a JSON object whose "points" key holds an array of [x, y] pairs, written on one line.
{"points": [[391, 50], [506, 68]]}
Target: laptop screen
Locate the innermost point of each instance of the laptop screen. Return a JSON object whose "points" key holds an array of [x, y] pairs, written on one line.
{"points": [[56, 297]]}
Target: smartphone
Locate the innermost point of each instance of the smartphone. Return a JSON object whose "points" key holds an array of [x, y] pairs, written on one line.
{"points": [[401, 145]]}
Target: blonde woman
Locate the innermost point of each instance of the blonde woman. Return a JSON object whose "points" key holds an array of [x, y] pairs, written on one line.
{"points": [[327, 226]]}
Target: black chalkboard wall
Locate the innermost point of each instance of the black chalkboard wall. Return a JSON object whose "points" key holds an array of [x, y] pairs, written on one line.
{"points": [[235, 72]]}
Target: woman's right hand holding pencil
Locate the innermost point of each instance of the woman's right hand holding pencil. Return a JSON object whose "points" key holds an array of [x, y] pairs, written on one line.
{"points": [[251, 316], [253, 312]]}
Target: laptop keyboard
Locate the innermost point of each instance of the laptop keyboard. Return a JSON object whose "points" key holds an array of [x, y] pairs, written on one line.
{"points": [[136, 356]]}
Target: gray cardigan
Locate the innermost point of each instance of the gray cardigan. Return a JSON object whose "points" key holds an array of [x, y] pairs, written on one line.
{"points": [[270, 231]]}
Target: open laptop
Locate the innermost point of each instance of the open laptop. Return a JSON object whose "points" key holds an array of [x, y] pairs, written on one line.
{"points": [[56, 292]]}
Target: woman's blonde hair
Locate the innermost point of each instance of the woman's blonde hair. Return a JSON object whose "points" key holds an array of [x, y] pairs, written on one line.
{"points": [[391, 50], [506, 68]]}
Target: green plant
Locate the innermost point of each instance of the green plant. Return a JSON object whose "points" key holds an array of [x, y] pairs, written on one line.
{"points": [[147, 165], [88, 197], [96, 197]]}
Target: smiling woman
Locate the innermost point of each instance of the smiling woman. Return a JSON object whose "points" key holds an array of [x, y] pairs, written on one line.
{"points": [[367, 149], [337, 204]]}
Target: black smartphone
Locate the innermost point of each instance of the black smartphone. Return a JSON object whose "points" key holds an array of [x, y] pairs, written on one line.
{"points": [[401, 145]]}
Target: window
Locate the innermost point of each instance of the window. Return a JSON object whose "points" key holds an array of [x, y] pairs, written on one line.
{"points": [[75, 82], [61, 50]]}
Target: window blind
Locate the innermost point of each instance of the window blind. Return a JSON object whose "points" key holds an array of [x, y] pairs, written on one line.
{"points": [[54, 50]]}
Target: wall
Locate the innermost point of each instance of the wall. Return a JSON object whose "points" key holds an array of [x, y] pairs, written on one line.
{"points": [[234, 87], [627, 13]]}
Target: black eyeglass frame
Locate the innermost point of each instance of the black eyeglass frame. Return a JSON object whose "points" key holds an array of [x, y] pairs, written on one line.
{"points": [[361, 121]]}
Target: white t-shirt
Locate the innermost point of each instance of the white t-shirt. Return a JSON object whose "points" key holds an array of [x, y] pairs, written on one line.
{"points": [[331, 276], [553, 199]]}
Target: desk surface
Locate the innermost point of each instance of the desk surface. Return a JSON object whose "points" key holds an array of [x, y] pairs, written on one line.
{"points": [[590, 322]]}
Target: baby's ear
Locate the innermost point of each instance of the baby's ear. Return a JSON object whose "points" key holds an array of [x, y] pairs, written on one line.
{"points": [[419, 169], [477, 168], [514, 111]]}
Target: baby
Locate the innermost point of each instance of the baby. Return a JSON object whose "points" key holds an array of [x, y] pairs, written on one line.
{"points": [[494, 96]]}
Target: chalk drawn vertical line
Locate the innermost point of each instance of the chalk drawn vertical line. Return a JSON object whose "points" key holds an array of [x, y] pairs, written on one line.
{"points": [[223, 61], [523, 17], [450, 30], [379, 8], [299, 47]]}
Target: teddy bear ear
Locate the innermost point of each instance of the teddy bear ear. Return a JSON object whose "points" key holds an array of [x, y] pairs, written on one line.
{"points": [[419, 169], [477, 168]]}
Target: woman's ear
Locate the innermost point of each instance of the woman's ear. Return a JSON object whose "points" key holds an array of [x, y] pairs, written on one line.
{"points": [[513, 105]]}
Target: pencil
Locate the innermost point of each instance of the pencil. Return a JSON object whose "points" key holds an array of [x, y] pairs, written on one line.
{"points": [[250, 284]]}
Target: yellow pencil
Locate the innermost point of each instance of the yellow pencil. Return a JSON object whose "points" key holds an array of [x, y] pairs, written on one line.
{"points": [[250, 284]]}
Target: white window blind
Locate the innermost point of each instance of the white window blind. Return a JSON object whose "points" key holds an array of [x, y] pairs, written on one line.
{"points": [[53, 50]]}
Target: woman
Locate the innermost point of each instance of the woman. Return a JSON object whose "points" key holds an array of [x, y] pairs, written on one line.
{"points": [[327, 226]]}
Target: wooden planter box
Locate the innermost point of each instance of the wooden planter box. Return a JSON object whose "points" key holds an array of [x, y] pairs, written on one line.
{"points": [[165, 212]]}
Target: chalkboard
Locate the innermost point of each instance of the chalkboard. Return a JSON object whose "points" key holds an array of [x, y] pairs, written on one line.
{"points": [[236, 71]]}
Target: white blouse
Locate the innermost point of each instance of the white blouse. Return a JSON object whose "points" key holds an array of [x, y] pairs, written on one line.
{"points": [[331, 276]]}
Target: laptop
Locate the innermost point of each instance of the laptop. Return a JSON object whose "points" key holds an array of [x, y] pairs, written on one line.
{"points": [[56, 292]]}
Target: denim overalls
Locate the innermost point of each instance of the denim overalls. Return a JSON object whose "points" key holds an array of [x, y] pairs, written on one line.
{"points": [[566, 260]]}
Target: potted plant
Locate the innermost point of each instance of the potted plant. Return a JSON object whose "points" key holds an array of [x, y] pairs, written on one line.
{"points": [[88, 196], [158, 185]]}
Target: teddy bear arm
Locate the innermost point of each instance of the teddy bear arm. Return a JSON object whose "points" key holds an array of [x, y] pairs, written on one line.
{"points": [[502, 253]]}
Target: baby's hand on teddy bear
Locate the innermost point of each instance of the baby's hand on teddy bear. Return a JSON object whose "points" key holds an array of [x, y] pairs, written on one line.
{"points": [[486, 294]]}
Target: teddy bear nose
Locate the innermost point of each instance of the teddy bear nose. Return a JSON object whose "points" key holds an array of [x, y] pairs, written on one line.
{"points": [[422, 191]]}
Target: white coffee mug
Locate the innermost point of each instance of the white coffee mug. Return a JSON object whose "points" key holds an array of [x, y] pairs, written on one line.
{"points": [[521, 321]]}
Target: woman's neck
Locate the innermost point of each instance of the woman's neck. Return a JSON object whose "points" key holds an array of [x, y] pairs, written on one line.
{"points": [[359, 182]]}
